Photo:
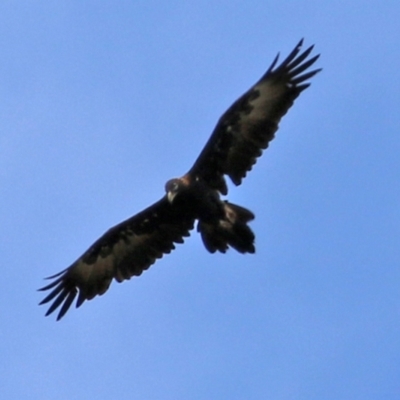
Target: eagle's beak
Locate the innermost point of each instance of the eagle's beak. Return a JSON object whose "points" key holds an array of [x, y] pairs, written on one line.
{"points": [[171, 196]]}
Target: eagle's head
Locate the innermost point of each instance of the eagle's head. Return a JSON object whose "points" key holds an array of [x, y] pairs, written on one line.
{"points": [[176, 186]]}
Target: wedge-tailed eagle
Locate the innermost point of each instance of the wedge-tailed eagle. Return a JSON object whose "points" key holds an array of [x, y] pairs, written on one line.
{"points": [[239, 138]]}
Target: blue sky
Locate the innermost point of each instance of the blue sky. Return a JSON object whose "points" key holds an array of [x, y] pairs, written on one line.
{"points": [[102, 102]]}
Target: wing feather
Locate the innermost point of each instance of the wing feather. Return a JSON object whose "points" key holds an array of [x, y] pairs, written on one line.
{"points": [[247, 127], [125, 250]]}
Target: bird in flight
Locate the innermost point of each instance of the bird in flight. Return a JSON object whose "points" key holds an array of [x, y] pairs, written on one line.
{"points": [[239, 138]]}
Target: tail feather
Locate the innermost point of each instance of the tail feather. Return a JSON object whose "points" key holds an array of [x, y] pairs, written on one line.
{"points": [[232, 230]]}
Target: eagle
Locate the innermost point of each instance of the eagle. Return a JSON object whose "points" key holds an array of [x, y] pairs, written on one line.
{"points": [[239, 138]]}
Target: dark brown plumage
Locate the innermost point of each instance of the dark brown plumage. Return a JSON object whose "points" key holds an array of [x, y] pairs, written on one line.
{"points": [[239, 138]]}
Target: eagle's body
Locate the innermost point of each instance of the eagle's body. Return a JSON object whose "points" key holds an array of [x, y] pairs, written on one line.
{"points": [[239, 138], [221, 224]]}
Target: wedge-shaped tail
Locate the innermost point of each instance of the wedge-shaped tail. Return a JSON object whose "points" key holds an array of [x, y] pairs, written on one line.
{"points": [[231, 230]]}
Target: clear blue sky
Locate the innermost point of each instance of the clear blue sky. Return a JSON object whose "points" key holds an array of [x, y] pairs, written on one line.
{"points": [[101, 102]]}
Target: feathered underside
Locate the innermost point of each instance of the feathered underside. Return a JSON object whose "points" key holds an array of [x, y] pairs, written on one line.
{"points": [[247, 127], [124, 251]]}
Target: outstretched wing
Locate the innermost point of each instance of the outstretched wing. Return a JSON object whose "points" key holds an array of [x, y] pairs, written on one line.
{"points": [[124, 251], [248, 126]]}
